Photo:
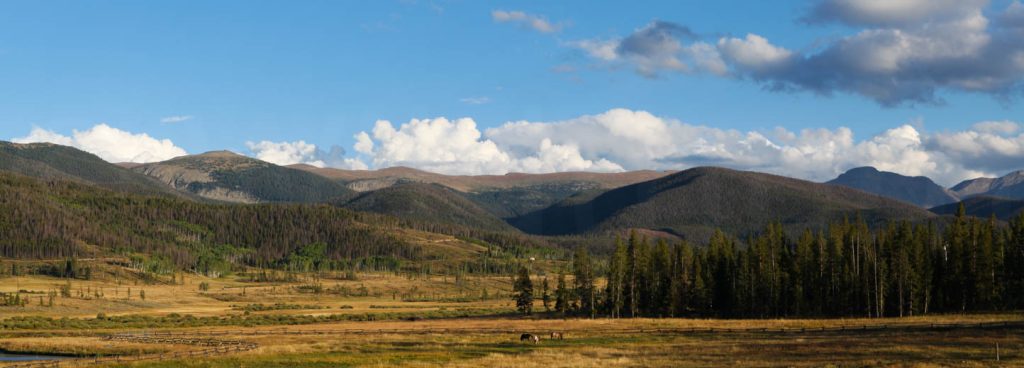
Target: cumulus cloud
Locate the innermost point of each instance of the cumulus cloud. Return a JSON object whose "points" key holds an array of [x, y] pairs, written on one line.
{"points": [[110, 144], [622, 139], [458, 147], [899, 52], [537, 23], [176, 119], [300, 152], [992, 147]]}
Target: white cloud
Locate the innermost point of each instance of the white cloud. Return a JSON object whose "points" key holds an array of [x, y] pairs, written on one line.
{"points": [[176, 119], [537, 23], [364, 144], [458, 147], [622, 139], [110, 144], [300, 152], [754, 52], [997, 127]]}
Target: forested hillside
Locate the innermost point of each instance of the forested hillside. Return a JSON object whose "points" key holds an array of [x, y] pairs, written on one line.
{"points": [[427, 203], [57, 219], [51, 161], [984, 207], [229, 177], [505, 196], [695, 202]]}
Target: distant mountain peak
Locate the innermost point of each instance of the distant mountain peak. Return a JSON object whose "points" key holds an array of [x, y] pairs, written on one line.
{"points": [[231, 177], [220, 154], [918, 190], [1010, 185], [862, 169]]}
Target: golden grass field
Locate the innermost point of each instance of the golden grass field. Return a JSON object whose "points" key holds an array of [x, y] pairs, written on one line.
{"points": [[488, 340]]}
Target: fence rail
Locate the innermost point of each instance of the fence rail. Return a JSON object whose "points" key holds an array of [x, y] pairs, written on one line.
{"points": [[216, 347]]}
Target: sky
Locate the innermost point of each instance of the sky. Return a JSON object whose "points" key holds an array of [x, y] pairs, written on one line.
{"points": [[800, 88]]}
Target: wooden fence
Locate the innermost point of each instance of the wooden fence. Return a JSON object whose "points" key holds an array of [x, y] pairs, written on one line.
{"points": [[217, 347]]}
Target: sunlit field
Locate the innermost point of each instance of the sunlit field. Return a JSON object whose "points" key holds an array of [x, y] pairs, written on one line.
{"points": [[384, 319]]}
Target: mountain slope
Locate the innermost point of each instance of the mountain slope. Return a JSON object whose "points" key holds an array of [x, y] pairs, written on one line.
{"points": [[1009, 186], [51, 161], [230, 177], [984, 207], [365, 180], [56, 219], [918, 190], [427, 203], [505, 196], [694, 202], [972, 187]]}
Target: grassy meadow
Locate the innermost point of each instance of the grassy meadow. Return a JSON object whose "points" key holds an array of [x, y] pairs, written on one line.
{"points": [[387, 319]]}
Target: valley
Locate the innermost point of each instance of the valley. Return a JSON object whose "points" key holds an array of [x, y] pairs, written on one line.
{"points": [[220, 260]]}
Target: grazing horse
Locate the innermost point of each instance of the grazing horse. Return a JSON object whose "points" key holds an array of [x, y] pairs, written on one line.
{"points": [[557, 335], [529, 337]]}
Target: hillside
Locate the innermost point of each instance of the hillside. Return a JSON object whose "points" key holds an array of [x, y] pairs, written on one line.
{"points": [[230, 177], [984, 207], [504, 196], [365, 180], [57, 219], [694, 202], [1009, 186], [918, 190], [51, 161], [427, 203]]}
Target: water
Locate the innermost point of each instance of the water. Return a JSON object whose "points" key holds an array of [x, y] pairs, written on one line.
{"points": [[4, 357]]}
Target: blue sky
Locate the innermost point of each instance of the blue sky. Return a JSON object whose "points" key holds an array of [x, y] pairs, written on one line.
{"points": [[322, 72]]}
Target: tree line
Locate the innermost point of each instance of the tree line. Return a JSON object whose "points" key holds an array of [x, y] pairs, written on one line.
{"points": [[846, 270]]}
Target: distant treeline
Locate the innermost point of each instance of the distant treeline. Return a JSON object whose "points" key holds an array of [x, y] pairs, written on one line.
{"points": [[846, 270]]}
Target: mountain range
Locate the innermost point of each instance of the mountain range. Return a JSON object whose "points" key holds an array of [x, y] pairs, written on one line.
{"points": [[982, 197], [695, 202], [688, 204]]}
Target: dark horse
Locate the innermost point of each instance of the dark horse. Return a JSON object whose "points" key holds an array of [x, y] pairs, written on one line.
{"points": [[529, 337]]}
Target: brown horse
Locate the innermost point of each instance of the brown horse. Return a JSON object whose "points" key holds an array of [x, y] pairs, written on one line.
{"points": [[529, 337], [557, 335]]}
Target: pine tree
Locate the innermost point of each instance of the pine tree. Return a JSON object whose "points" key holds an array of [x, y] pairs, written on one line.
{"points": [[614, 297], [583, 283], [546, 295], [662, 275], [561, 295], [523, 292], [632, 280]]}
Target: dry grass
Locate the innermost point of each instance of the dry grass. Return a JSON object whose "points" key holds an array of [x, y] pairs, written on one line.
{"points": [[589, 343], [597, 347]]}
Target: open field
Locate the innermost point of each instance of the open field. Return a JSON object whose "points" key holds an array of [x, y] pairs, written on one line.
{"points": [[383, 319], [615, 343]]}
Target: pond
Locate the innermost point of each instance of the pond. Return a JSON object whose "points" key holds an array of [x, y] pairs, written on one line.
{"points": [[5, 357]]}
